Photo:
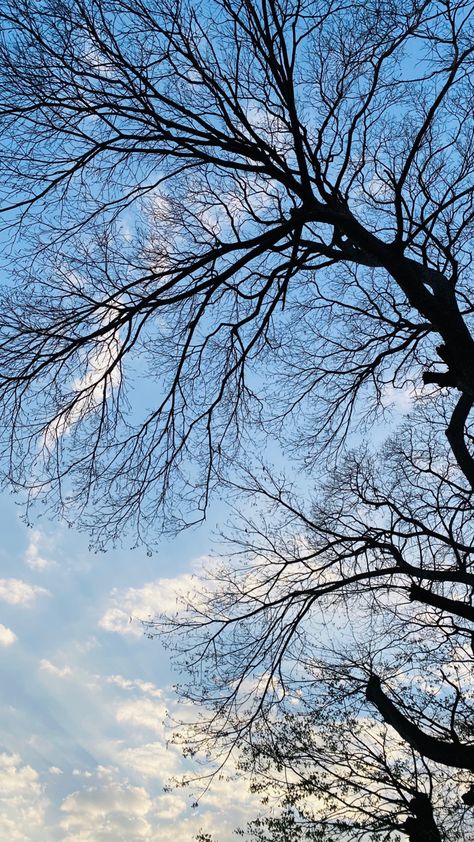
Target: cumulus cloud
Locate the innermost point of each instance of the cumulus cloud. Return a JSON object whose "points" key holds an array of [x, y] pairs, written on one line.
{"points": [[22, 800], [229, 793], [170, 806], [220, 826], [132, 605], [7, 637], [111, 808], [156, 760], [117, 620], [123, 799], [143, 714], [115, 812], [18, 592]]}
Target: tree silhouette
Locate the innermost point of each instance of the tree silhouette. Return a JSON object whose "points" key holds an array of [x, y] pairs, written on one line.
{"points": [[351, 617], [262, 211]]}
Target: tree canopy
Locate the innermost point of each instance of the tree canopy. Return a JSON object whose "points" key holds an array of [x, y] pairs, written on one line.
{"points": [[334, 647], [236, 219]]}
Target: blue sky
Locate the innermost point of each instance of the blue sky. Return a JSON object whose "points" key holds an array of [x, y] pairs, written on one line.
{"points": [[84, 751]]}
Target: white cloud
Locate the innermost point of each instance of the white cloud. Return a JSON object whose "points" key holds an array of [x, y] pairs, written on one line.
{"points": [[33, 557], [135, 604], [87, 645], [220, 826], [230, 794], [18, 592], [401, 400], [122, 800], [170, 806], [105, 772], [60, 672], [22, 801], [7, 637], [118, 621], [131, 684], [143, 714], [152, 760], [115, 812]]}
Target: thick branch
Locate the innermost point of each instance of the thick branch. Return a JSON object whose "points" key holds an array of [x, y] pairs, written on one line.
{"points": [[453, 606], [441, 378], [455, 436], [458, 755], [421, 827]]}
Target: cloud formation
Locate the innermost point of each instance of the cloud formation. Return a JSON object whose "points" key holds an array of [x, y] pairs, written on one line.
{"points": [[144, 714], [133, 605], [136, 683], [155, 760], [33, 556], [7, 637], [22, 800], [60, 672], [115, 812], [18, 592], [102, 739]]}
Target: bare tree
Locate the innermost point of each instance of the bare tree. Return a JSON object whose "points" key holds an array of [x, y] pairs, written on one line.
{"points": [[336, 645], [192, 194], [332, 777], [262, 211]]}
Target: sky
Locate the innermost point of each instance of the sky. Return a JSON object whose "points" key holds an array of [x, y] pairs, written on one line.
{"points": [[84, 740], [85, 697], [84, 752]]}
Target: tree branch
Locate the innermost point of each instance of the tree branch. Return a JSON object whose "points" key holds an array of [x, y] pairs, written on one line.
{"points": [[455, 436], [421, 827], [453, 606], [457, 755]]}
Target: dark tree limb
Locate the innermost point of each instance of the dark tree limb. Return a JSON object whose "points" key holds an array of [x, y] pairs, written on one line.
{"points": [[440, 378], [421, 827], [458, 755], [453, 606], [455, 436]]}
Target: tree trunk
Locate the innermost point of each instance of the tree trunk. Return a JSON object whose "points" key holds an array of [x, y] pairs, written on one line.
{"points": [[421, 827]]}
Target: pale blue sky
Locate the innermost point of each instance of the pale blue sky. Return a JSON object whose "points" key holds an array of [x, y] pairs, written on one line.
{"points": [[83, 747], [84, 693]]}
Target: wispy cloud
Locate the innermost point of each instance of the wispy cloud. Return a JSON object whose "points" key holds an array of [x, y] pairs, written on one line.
{"points": [[34, 557], [401, 399], [60, 672], [136, 683], [101, 377]]}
